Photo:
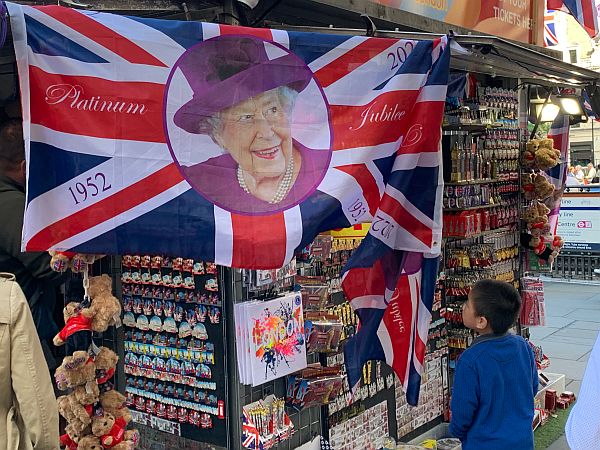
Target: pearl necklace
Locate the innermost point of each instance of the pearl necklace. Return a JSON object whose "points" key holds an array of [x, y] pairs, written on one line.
{"points": [[284, 185]]}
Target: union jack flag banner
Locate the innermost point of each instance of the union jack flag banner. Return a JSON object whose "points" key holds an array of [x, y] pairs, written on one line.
{"points": [[584, 12], [559, 133], [238, 146], [550, 38]]}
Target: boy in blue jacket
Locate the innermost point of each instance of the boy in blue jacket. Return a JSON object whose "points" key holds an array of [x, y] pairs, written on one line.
{"points": [[496, 379]]}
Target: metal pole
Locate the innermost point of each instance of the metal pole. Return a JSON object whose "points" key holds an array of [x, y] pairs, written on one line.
{"points": [[539, 116], [593, 147], [231, 279]]}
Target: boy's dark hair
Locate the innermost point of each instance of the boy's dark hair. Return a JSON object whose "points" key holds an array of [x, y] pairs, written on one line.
{"points": [[497, 301], [12, 147]]}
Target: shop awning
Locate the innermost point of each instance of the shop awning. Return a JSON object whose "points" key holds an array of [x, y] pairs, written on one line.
{"points": [[493, 56], [480, 53]]}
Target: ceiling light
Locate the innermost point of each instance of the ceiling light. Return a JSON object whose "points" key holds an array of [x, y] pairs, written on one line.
{"points": [[571, 105], [547, 112]]}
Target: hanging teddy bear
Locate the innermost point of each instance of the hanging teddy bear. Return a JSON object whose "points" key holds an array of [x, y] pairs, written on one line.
{"points": [[112, 432]]}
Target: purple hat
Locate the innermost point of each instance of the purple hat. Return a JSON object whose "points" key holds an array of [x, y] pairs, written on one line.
{"points": [[227, 70]]}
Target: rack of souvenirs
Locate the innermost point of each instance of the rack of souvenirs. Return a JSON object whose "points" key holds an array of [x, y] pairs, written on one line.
{"points": [[540, 196], [489, 106], [482, 152], [265, 423], [174, 356]]}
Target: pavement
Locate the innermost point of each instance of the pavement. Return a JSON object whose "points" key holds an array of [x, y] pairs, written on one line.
{"points": [[572, 324]]}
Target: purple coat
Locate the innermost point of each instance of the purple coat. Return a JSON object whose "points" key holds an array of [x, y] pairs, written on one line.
{"points": [[216, 179]]}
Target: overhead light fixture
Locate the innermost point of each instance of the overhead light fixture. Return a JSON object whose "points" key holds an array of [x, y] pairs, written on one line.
{"points": [[571, 104], [547, 112], [545, 109], [249, 3]]}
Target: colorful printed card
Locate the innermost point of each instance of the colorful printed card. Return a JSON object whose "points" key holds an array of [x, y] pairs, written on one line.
{"points": [[271, 342]]}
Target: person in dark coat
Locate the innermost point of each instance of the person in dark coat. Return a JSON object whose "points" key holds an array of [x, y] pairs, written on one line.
{"points": [[32, 270]]}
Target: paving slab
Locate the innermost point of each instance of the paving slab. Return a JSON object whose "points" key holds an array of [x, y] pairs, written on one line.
{"points": [[558, 322], [590, 315], [572, 331], [538, 333], [562, 310], [571, 369], [585, 325], [563, 350], [591, 303], [560, 444], [585, 357], [574, 386], [575, 340]]}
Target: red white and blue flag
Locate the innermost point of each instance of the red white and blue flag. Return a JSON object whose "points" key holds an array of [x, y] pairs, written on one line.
{"points": [[550, 38], [250, 436], [584, 11], [102, 177], [559, 133], [392, 293]]}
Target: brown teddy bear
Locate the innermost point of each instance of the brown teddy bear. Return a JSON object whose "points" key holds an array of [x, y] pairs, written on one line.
{"points": [[74, 323], [90, 442], [77, 415], [105, 309], [106, 363], [542, 187], [60, 261], [556, 245], [535, 213], [546, 156], [75, 370], [113, 402], [74, 435], [527, 186], [529, 154], [112, 432], [87, 395]]}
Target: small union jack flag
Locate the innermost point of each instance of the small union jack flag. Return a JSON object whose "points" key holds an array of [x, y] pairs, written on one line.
{"points": [[584, 11], [250, 436], [550, 38]]}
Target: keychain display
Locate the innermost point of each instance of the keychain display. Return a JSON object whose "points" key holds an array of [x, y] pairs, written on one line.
{"points": [[432, 398], [174, 356]]}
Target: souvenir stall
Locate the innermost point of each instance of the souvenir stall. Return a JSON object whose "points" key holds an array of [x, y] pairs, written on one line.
{"points": [[219, 357]]}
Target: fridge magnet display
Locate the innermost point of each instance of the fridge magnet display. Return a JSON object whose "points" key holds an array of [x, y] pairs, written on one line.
{"points": [[174, 356], [271, 341]]}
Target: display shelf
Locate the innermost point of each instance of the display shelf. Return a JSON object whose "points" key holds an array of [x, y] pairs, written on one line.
{"points": [[478, 235], [470, 127], [467, 183], [471, 208]]}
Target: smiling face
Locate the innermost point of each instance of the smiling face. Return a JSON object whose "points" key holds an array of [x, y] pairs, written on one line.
{"points": [[257, 134]]}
